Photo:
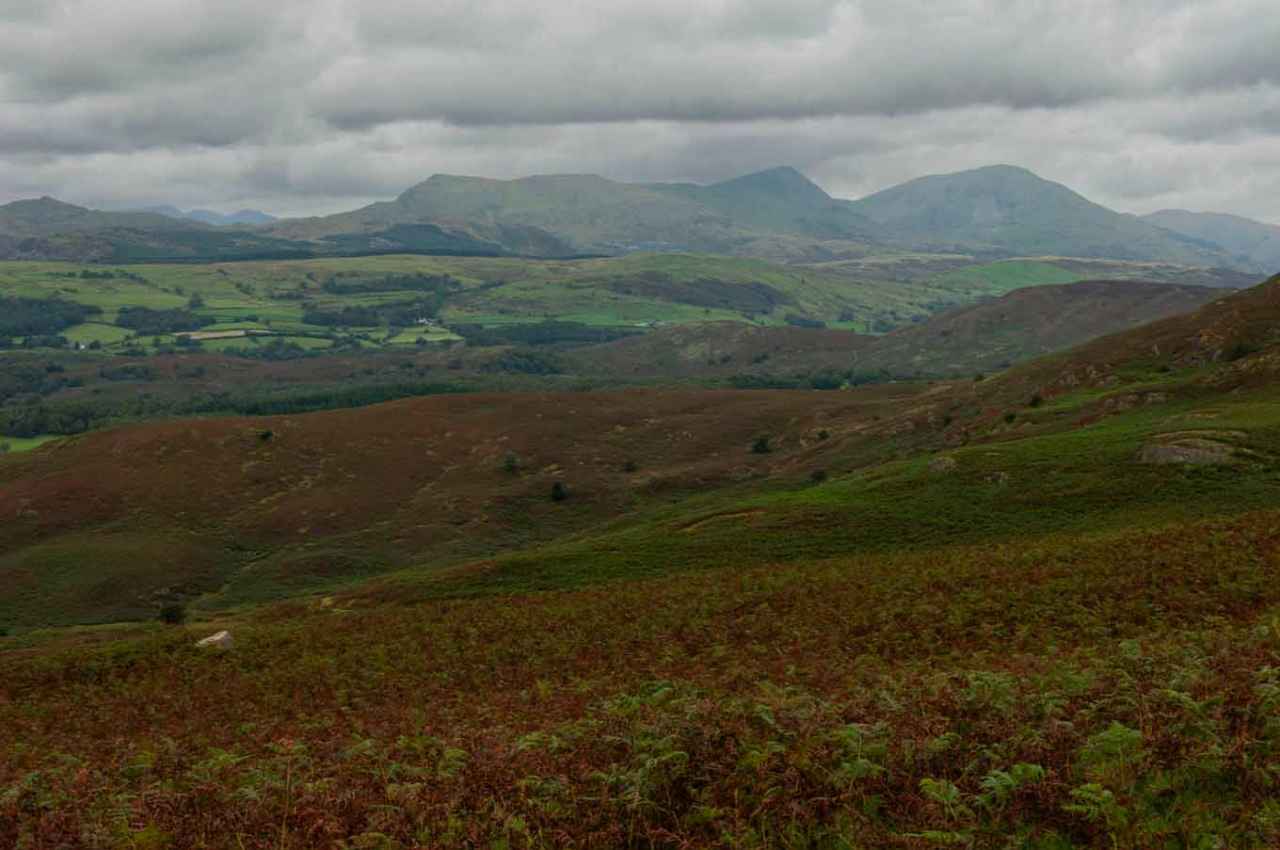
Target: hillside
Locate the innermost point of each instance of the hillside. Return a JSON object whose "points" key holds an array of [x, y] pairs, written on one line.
{"points": [[893, 616], [1006, 209], [1026, 323], [988, 336], [724, 350], [248, 509], [308, 499], [1247, 241], [1239, 332]]}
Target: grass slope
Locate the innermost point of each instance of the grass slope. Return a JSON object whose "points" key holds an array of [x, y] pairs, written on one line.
{"points": [[1056, 684], [1027, 323]]}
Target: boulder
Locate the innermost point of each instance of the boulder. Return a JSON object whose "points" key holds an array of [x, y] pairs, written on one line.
{"points": [[219, 640]]}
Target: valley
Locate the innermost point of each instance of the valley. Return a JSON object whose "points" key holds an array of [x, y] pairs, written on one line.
{"points": [[848, 534]]}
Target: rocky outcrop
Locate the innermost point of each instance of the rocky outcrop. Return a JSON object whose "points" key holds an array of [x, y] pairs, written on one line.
{"points": [[218, 640]]}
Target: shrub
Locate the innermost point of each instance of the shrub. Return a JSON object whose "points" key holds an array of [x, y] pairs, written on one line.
{"points": [[1036, 400], [1009, 417], [818, 476], [829, 380], [630, 466], [511, 463], [1240, 350], [798, 321], [173, 613], [559, 492], [761, 446]]}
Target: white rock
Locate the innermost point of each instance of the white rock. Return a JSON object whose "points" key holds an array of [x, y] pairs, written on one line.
{"points": [[221, 640]]}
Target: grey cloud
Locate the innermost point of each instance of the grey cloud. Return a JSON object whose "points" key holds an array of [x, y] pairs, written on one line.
{"points": [[313, 105], [78, 49]]}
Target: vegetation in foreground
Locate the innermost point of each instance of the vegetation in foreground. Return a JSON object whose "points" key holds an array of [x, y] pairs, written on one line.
{"points": [[1117, 691], [1108, 677]]}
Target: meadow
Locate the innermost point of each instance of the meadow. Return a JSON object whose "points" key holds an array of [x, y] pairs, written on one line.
{"points": [[632, 292]]}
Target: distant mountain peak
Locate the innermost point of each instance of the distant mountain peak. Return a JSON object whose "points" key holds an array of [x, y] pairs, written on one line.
{"points": [[44, 202], [244, 216], [1008, 209], [1003, 168], [782, 181]]}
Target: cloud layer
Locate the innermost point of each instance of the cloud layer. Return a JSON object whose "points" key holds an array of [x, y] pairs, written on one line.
{"points": [[311, 105]]}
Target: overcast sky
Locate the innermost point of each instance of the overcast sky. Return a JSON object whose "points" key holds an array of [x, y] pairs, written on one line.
{"points": [[302, 106]]}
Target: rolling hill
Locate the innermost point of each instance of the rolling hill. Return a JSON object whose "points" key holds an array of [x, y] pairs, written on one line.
{"points": [[723, 350], [1238, 334], [1026, 323], [985, 337]]}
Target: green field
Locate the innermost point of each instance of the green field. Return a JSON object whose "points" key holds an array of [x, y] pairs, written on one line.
{"points": [[1005, 276], [635, 291], [24, 444]]}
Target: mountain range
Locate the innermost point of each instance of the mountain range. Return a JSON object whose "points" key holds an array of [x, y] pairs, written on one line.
{"points": [[996, 211], [1248, 241]]}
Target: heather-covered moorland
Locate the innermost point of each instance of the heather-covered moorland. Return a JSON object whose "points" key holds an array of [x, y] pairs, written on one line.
{"points": [[1039, 610]]}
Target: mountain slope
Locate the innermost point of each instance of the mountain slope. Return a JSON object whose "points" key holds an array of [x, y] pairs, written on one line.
{"points": [[1246, 240], [564, 214], [1240, 332], [781, 201], [1006, 209], [49, 217], [1027, 323]]}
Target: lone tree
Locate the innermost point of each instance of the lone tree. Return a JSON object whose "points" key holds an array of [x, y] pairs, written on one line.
{"points": [[559, 492]]}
